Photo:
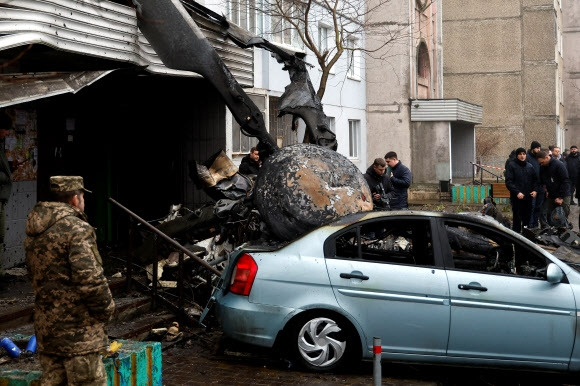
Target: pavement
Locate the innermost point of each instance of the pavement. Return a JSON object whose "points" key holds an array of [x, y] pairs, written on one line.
{"points": [[197, 362]]}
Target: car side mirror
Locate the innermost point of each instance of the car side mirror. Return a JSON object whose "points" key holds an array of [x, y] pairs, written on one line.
{"points": [[554, 274]]}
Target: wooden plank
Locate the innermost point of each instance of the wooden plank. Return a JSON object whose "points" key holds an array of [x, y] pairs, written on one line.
{"points": [[499, 190]]}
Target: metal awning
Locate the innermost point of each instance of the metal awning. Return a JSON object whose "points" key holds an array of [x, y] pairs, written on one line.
{"points": [[25, 88], [51, 47], [445, 110]]}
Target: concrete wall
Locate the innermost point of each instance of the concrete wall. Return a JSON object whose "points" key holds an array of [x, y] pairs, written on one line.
{"points": [[432, 140], [391, 76], [501, 54], [387, 92], [571, 36], [21, 202]]}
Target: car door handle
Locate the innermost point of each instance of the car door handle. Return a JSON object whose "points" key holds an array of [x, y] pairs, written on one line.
{"points": [[471, 287], [353, 276]]}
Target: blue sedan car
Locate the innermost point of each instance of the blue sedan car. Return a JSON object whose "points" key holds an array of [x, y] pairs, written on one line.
{"points": [[434, 287]]}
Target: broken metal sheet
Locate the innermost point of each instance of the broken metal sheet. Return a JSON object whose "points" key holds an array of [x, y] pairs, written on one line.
{"points": [[20, 88], [568, 254], [303, 186], [100, 30]]}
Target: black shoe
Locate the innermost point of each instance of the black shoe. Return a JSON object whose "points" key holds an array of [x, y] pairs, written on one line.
{"points": [[573, 203]]}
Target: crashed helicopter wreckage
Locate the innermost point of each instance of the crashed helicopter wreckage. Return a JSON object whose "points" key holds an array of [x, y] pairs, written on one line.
{"points": [[246, 208], [303, 186], [559, 239]]}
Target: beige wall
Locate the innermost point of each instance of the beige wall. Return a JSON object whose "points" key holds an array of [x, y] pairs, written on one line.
{"points": [[391, 78], [501, 55], [388, 90], [571, 35], [431, 138]]}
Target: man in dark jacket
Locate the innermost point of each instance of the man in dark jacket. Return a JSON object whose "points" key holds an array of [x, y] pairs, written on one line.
{"points": [[538, 201], [380, 184], [250, 164], [510, 158], [72, 302], [400, 179], [573, 165], [522, 182], [554, 177]]}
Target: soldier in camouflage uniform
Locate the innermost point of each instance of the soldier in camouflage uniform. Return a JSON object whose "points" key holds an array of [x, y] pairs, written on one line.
{"points": [[73, 302]]}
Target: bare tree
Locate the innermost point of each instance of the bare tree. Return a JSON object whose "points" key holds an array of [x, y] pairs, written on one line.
{"points": [[327, 28]]}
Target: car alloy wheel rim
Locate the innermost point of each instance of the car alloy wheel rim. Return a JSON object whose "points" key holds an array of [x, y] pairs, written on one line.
{"points": [[317, 344]]}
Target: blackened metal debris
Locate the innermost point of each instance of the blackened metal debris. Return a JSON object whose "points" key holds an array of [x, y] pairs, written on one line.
{"points": [[301, 187]]}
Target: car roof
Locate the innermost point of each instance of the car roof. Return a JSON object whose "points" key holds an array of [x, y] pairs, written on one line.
{"points": [[474, 217]]}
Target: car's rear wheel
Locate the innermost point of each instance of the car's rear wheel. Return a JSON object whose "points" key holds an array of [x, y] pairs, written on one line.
{"points": [[324, 342]]}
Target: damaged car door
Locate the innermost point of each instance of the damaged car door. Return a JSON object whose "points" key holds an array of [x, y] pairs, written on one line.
{"points": [[505, 306], [384, 272]]}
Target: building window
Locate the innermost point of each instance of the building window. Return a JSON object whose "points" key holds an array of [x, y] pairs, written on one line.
{"points": [[281, 128], [282, 31], [421, 4], [322, 38], [423, 72], [324, 33], [353, 59], [331, 124], [241, 143], [247, 14], [353, 138]]}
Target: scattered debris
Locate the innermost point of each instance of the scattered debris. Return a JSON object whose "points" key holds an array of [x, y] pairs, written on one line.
{"points": [[113, 348], [490, 209], [173, 332]]}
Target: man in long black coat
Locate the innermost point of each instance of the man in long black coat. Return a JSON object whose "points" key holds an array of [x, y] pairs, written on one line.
{"points": [[573, 165], [400, 179], [522, 182], [554, 176], [538, 201]]}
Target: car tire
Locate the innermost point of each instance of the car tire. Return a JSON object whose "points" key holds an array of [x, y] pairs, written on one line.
{"points": [[324, 342]]}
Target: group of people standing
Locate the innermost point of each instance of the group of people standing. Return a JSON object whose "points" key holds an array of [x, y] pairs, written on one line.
{"points": [[539, 181], [389, 186]]}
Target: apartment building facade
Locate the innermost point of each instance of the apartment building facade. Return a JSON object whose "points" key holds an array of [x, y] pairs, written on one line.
{"points": [[507, 56], [571, 40]]}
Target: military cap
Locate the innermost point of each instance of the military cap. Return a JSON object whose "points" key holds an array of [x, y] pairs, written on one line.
{"points": [[67, 184]]}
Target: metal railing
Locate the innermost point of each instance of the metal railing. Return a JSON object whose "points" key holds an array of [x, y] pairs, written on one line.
{"points": [[478, 169], [159, 235]]}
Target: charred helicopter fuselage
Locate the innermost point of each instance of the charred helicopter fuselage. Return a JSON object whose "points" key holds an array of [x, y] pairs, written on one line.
{"points": [[181, 45]]}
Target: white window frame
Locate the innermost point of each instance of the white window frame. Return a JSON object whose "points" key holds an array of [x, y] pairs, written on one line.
{"points": [[241, 143], [247, 14], [331, 124], [352, 59], [354, 138], [323, 32], [287, 34]]}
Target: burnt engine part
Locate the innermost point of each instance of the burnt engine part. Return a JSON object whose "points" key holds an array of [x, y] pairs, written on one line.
{"points": [[303, 186]]}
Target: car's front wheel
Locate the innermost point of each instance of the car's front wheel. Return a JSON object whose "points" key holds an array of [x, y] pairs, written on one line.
{"points": [[323, 342]]}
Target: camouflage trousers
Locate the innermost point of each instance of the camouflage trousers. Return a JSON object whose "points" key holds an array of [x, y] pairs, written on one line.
{"points": [[86, 370]]}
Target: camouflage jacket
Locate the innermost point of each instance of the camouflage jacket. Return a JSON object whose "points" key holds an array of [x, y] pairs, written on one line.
{"points": [[73, 302]]}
